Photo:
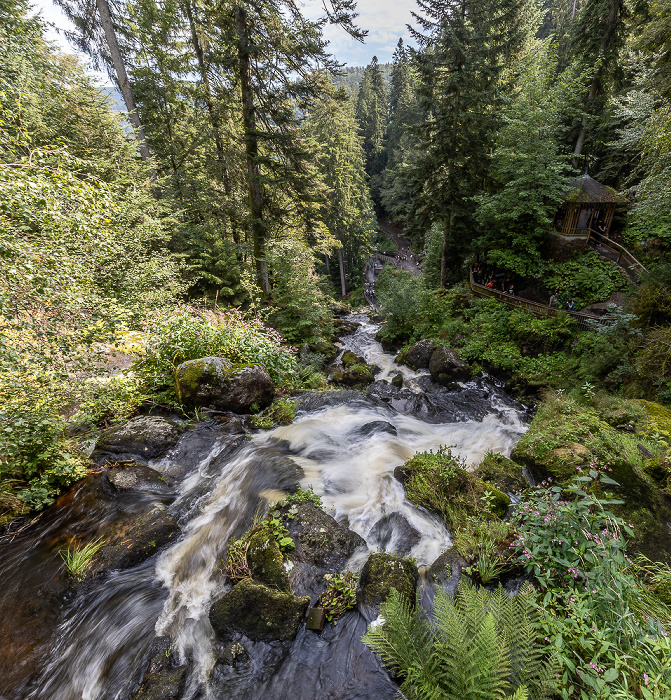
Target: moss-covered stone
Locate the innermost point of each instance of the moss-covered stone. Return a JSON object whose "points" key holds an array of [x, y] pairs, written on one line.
{"points": [[349, 359], [397, 380], [265, 559], [164, 678], [260, 613], [566, 436], [381, 573], [502, 472], [655, 423], [324, 347], [356, 375]]}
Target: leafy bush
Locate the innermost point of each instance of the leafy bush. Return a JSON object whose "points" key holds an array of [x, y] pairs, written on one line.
{"points": [[187, 335], [480, 644], [576, 549]]}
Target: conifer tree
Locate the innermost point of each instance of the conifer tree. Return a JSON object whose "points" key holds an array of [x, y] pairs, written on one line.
{"points": [[371, 114], [464, 48]]}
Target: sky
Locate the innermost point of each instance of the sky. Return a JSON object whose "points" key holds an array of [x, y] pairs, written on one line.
{"points": [[385, 21]]}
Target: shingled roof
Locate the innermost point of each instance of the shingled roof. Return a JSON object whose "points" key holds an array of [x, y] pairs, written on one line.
{"points": [[587, 189]]}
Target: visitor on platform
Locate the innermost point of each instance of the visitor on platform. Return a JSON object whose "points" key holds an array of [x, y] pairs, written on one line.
{"points": [[511, 290], [570, 305], [554, 299]]}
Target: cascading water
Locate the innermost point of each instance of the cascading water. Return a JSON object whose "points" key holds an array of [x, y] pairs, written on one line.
{"points": [[347, 446]]}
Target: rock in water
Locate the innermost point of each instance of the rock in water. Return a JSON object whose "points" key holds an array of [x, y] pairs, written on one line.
{"points": [[381, 573], [258, 612], [218, 384], [447, 367], [141, 439], [394, 533], [419, 355]]}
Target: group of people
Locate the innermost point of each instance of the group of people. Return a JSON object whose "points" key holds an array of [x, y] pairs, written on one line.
{"points": [[493, 280], [554, 302], [369, 290]]}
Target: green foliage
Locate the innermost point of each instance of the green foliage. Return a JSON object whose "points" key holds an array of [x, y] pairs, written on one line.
{"points": [[280, 412], [586, 279], [339, 595], [480, 645], [484, 541], [78, 558], [607, 642], [301, 496], [187, 334], [399, 294]]}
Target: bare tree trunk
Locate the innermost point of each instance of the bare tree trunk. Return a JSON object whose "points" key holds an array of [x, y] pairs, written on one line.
{"points": [[341, 263], [328, 264], [251, 151], [122, 77]]}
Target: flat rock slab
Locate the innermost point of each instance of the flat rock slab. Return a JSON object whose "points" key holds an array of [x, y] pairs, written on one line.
{"points": [[140, 440]]}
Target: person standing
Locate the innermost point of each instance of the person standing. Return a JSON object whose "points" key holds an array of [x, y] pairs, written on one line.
{"points": [[554, 300]]}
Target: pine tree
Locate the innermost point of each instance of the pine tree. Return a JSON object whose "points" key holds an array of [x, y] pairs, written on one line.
{"points": [[340, 162], [371, 114], [465, 46]]}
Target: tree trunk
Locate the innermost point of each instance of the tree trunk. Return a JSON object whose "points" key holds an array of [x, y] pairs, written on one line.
{"points": [[341, 263], [214, 120], [122, 77], [328, 264], [251, 150], [595, 87]]}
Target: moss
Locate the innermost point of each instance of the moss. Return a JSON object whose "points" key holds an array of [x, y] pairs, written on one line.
{"points": [[381, 573], [566, 436], [260, 613], [190, 376], [441, 484], [265, 559], [502, 473], [656, 422], [349, 359]]}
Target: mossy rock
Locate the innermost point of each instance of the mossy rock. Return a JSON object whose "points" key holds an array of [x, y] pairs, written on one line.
{"points": [[381, 573], [502, 472], [262, 614], [397, 380], [349, 359], [439, 483], [324, 347], [265, 559], [565, 437], [165, 678], [656, 423], [658, 469], [356, 376]]}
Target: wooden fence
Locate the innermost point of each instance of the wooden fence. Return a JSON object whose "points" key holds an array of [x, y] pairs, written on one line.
{"points": [[624, 257], [585, 322]]}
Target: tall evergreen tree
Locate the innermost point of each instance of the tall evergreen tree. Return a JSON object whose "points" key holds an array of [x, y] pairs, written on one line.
{"points": [[371, 114], [340, 162], [464, 48]]}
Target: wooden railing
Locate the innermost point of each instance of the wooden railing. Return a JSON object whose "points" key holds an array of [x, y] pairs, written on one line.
{"points": [[622, 253], [585, 322]]}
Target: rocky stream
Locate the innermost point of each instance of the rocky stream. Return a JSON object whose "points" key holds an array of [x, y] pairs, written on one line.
{"points": [[156, 618]]}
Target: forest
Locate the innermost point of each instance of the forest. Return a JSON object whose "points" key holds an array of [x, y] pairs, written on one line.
{"points": [[234, 210]]}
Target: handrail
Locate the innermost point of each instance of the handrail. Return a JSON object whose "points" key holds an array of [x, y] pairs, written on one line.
{"points": [[621, 251], [584, 322]]}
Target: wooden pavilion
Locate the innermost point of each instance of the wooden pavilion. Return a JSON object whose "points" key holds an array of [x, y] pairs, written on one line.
{"points": [[588, 207]]}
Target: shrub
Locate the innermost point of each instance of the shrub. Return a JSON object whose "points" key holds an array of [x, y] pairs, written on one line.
{"points": [[188, 335]]}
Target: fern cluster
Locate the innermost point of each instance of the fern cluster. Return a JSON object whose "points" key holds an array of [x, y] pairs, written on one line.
{"points": [[481, 645]]}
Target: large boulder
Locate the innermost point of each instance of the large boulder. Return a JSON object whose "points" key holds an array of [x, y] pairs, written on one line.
{"points": [[136, 477], [381, 573], [447, 367], [393, 533], [266, 561], [260, 613], [141, 439], [419, 355], [322, 546], [217, 383]]}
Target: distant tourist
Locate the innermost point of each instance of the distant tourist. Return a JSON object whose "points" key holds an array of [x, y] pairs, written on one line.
{"points": [[511, 290], [554, 299], [570, 305]]}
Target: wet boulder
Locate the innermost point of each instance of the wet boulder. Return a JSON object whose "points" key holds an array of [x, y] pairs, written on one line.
{"points": [[342, 327], [165, 677], [135, 477], [381, 573], [375, 427], [260, 613], [397, 380], [265, 559], [217, 383], [357, 375], [322, 546], [446, 570], [135, 540], [419, 355], [141, 439], [393, 533], [447, 367]]}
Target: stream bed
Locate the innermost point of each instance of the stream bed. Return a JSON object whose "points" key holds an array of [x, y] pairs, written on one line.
{"points": [[59, 641]]}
